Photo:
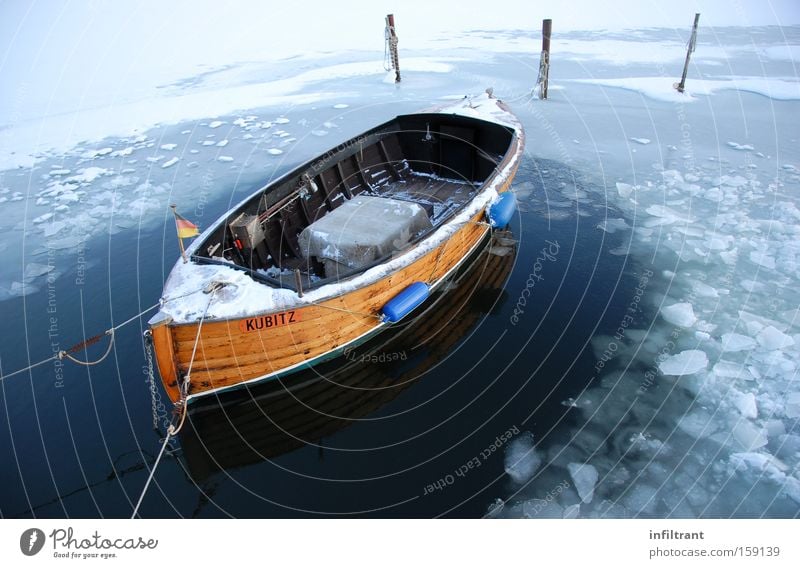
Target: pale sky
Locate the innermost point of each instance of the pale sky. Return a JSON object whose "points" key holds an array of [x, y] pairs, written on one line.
{"points": [[68, 46]]}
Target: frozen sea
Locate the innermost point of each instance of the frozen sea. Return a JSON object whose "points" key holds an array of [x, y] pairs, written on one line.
{"points": [[651, 371]]}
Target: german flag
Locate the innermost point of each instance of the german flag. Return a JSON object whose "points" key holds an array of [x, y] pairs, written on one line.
{"points": [[185, 227]]}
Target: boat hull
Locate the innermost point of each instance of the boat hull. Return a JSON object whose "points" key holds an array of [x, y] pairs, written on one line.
{"points": [[241, 351]]}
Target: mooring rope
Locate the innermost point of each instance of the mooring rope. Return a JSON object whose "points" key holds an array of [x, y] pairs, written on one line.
{"points": [[172, 431], [67, 353], [167, 438], [81, 346]]}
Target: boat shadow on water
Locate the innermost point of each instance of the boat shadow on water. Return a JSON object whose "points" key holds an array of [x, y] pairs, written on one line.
{"points": [[263, 421]]}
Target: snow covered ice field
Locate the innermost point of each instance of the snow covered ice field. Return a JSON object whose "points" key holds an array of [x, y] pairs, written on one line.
{"points": [[692, 412], [694, 404]]}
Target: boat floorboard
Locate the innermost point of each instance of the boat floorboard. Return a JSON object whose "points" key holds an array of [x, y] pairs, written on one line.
{"points": [[439, 193]]}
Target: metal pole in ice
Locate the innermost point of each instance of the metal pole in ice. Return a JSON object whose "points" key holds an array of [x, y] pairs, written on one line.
{"points": [[689, 50]]}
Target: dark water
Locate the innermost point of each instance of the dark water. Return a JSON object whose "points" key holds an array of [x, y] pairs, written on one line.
{"points": [[380, 433]]}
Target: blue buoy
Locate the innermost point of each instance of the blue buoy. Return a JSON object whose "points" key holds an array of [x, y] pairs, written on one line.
{"points": [[502, 210], [401, 305]]}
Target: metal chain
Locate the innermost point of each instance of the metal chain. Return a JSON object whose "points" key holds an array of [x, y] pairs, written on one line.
{"points": [[158, 407]]}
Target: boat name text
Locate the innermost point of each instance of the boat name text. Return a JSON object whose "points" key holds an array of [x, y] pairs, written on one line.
{"points": [[272, 320]]}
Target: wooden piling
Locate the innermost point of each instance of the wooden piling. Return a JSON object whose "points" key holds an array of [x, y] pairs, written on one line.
{"points": [[391, 38], [544, 62], [298, 282], [689, 50]]}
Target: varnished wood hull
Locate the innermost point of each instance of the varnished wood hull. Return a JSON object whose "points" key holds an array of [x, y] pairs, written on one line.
{"points": [[227, 356]]}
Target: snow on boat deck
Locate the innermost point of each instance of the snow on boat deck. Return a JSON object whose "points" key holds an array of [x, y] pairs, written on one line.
{"points": [[184, 303]]}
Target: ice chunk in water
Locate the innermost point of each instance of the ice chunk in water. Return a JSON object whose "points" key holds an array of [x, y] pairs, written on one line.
{"points": [[542, 509], [35, 269], [495, 508], [170, 162], [624, 189], [762, 259], [793, 405], [641, 499], [733, 342], [698, 424], [667, 215], [584, 476], [737, 146], [746, 404], [770, 338], [680, 314], [686, 362], [749, 435], [522, 460], [613, 225], [703, 290], [728, 369], [642, 141]]}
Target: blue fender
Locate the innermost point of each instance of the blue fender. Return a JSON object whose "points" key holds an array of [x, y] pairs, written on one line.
{"points": [[502, 210], [404, 303]]}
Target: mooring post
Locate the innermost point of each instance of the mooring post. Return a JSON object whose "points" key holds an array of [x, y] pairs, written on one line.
{"points": [[544, 62], [689, 50], [298, 282], [391, 39]]}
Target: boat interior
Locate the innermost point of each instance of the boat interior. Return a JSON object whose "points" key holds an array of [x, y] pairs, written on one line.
{"points": [[360, 203]]}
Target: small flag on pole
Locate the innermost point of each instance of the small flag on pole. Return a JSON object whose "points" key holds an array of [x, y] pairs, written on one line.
{"points": [[186, 229]]}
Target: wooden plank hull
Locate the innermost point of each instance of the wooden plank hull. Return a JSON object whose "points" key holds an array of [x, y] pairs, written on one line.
{"points": [[231, 353]]}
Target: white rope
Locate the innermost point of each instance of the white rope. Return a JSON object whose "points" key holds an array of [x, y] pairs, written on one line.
{"points": [[91, 363], [63, 354], [187, 379], [172, 431], [29, 367]]}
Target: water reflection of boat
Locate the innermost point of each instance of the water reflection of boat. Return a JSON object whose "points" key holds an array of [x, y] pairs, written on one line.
{"points": [[338, 250], [269, 419]]}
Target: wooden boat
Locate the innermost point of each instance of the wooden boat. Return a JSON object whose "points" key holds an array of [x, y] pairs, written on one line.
{"points": [[336, 250], [273, 418]]}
